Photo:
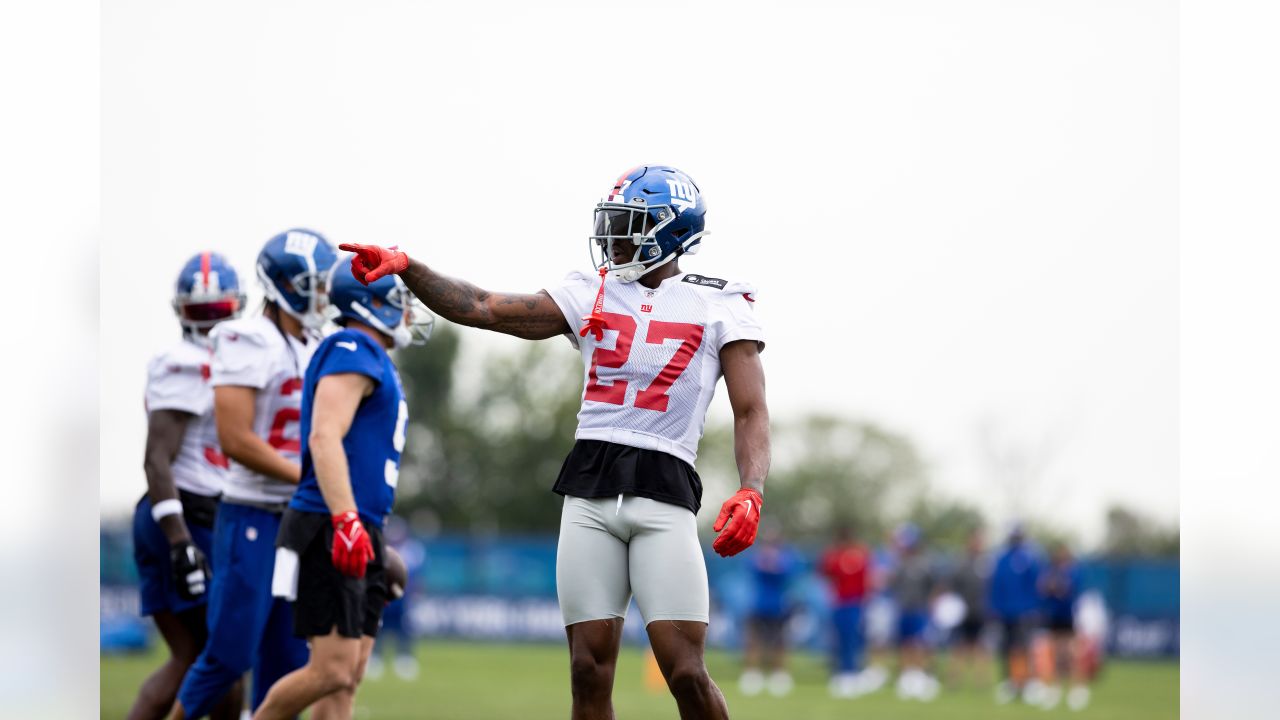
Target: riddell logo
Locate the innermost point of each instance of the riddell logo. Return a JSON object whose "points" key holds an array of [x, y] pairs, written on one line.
{"points": [[646, 308]]}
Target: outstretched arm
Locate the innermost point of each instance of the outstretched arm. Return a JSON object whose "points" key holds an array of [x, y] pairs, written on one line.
{"points": [[533, 317]]}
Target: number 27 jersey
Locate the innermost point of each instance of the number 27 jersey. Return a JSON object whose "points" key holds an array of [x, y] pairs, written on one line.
{"points": [[649, 380]]}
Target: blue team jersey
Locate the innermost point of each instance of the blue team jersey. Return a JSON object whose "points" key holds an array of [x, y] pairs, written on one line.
{"points": [[1013, 590], [1060, 589], [376, 437], [771, 569]]}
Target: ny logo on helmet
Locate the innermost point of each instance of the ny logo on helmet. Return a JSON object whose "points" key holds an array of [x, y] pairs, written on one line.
{"points": [[682, 194], [300, 243], [205, 283]]}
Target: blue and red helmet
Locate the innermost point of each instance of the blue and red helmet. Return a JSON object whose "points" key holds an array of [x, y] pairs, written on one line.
{"points": [[294, 269], [386, 305], [658, 210], [207, 292]]}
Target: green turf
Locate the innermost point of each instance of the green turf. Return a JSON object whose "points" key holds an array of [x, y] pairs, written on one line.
{"points": [[462, 681]]}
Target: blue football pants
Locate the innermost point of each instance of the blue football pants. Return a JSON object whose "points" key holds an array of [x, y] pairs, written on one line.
{"points": [[847, 619], [248, 628]]}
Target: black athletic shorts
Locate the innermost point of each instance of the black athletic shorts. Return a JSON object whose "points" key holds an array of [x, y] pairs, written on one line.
{"points": [[327, 598], [596, 469], [770, 630], [969, 631], [1015, 633], [1061, 624]]}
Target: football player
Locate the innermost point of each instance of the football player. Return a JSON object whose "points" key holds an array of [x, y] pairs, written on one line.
{"points": [[332, 559], [185, 468], [654, 342], [257, 386]]}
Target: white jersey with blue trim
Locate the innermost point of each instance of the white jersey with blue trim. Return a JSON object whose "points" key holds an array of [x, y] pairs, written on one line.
{"points": [[253, 352], [178, 379], [649, 380]]}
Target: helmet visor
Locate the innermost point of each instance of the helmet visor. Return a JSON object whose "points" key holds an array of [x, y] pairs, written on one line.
{"points": [[614, 222], [209, 312]]}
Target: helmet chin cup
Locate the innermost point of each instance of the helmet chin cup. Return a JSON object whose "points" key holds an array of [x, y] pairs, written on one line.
{"points": [[402, 338], [628, 273]]}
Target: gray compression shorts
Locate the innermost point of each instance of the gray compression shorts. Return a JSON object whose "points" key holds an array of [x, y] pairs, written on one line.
{"points": [[612, 547]]}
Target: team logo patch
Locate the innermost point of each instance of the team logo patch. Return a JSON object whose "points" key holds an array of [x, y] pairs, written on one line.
{"points": [[300, 243], [682, 195], [646, 308], [703, 281]]}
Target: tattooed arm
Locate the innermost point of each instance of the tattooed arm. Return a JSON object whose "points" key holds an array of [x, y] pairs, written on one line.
{"points": [[532, 317]]}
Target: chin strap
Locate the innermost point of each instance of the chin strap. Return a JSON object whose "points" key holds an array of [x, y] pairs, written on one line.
{"points": [[596, 324]]}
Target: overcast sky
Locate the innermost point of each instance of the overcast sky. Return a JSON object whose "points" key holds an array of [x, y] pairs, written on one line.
{"points": [[958, 215]]}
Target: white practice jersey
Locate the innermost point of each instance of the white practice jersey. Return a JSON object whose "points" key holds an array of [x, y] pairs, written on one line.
{"points": [[253, 352], [649, 381], [178, 379]]}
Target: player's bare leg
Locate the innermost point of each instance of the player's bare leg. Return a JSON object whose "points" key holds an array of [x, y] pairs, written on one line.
{"points": [[340, 704], [593, 658], [334, 666], [680, 646], [158, 692]]}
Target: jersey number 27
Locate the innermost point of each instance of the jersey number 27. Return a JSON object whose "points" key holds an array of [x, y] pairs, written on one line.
{"points": [[654, 397]]}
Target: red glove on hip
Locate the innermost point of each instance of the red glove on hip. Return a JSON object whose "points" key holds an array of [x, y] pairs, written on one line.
{"points": [[372, 262], [352, 548], [739, 518]]}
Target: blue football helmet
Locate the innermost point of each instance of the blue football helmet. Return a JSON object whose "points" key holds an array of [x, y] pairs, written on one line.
{"points": [[294, 268], [385, 305], [659, 210], [207, 292]]}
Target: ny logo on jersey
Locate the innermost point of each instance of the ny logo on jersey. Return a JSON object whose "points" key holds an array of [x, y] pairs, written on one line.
{"points": [[646, 308], [300, 243], [682, 195]]}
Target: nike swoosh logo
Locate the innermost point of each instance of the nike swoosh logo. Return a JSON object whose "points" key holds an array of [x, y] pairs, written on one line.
{"points": [[348, 345], [355, 533], [748, 504]]}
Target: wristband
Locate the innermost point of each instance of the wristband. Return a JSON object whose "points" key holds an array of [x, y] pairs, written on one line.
{"points": [[165, 508]]}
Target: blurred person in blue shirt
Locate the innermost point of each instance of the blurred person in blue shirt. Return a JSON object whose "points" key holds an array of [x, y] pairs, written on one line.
{"points": [[1014, 598], [773, 568], [1060, 585]]}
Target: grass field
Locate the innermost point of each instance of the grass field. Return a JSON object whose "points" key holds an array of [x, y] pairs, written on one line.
{"points": [[530, 682]]}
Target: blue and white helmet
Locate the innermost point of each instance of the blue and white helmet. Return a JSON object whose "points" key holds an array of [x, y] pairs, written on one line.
{"points": [[385, 305], [656, 208], [207, 292], [294, 268]]}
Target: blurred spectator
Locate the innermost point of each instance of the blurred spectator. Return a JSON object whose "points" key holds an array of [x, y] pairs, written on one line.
{"points": [[970, 664], [1060, 587], [846, 565], [397, 630], [913, 586], [1015, 601], [773, 566]]}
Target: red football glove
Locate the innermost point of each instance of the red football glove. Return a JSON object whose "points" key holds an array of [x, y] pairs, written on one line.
{"points": [[739, 518], [372, 262], [352, 549]]}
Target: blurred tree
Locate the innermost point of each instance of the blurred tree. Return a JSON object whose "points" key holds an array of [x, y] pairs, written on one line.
{"points": [[486, 463], [945, 523], [826, 471], [1130, 534]]}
